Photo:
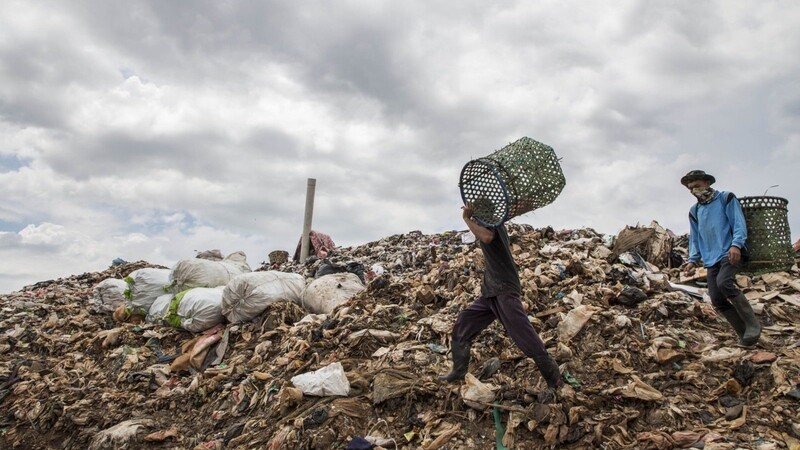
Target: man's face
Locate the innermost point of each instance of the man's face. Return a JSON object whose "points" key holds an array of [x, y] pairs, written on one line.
{"points": [[698, 184]]}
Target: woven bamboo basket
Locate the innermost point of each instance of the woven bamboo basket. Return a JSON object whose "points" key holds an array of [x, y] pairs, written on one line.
{"points": [[768, 236], [521, 177], [278, 256]]}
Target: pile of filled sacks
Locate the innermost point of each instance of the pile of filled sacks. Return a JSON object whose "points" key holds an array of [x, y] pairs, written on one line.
{"points": [[199, 293]]}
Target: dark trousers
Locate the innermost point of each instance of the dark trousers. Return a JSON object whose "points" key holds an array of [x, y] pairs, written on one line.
{"points": [[722, 283], [508, 309]]}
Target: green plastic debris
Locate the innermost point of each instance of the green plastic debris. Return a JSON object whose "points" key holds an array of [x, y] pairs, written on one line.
{"points": [[172, 314], [571, 380], [499, 429]]}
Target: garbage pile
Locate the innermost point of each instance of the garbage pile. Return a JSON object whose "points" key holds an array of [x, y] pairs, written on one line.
{"points": [[647, 362]]}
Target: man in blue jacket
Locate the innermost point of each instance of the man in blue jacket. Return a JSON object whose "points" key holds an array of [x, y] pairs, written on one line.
{"points": [[718, 234]]}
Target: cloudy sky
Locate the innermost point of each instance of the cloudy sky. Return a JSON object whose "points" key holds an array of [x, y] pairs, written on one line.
{"points": [[152, 129]]}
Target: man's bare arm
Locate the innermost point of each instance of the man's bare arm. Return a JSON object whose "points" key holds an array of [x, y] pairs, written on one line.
{"points": [[483, 234]]}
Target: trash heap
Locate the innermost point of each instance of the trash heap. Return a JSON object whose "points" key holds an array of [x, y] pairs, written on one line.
{"points": [[647, 362]]}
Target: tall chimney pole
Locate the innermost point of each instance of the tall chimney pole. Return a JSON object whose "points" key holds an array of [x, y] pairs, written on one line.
{"points": [[305, 243]]}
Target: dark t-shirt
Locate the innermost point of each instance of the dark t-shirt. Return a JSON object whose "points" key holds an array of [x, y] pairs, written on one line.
{"points": [[500, 275]]}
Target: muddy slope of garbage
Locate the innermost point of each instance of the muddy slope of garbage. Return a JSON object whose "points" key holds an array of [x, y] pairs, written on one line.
{"points": [[648, 364]]}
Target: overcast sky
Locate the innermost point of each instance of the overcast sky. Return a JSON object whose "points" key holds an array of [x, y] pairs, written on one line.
{"points": [[154, 129]]}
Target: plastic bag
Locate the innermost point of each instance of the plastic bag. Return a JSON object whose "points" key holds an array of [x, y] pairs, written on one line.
{"points": [[144, 287], [248, 295], [327, 268], [475, 393], [327, 381], [324, 294], [159, 310], [196, 309], [574, 322], [199, 272], [109, 294]]}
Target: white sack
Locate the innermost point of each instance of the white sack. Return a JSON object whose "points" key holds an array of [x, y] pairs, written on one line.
{"points": [[325, 293], [200, 309], [211, 255], [197, 272], [109, 294], [327, 381], [159, 309], [247, 295], [144, 287]]}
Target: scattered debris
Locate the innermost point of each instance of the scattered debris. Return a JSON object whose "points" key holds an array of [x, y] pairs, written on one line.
{"points": [[646, 363]]}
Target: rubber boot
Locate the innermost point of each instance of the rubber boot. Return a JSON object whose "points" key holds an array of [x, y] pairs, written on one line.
{"points": [[736, 322], [752, 328], [460, 352], [549, 369]]}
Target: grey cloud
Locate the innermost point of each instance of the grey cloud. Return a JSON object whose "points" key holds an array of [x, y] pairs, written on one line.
{"points": [[651, 85], [119, 154], [9, 240], [31, 112], [791, 107], [37, 71], [692, 21]]}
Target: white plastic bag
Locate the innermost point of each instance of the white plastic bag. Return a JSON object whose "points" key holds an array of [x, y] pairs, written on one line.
{"points": [[247, 295], [198, 272], [325, 293], [327, 381], [574, 322], [144, 287], [197, 309], [159, 309], [109, 294], [475, 393]]}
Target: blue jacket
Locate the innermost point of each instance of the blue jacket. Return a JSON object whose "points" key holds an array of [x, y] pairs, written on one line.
{"points": [[716, 227]]}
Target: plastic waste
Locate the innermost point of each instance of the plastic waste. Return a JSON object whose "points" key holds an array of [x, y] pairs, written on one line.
{"points": [[327, 381], [144, 287], [159, 309], [199, 272], [324, 294], [108, 294], [248, 295], [196, 309]]}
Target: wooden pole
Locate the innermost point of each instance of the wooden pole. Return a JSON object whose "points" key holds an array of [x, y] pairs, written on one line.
{"points": [[305, 243]]}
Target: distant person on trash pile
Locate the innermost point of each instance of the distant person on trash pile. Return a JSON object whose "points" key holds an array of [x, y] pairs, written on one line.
{"points": [[718, 235], [500, 299]]}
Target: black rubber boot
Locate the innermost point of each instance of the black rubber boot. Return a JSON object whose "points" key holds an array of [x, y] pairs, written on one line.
{"points": [[736, 322], [460, 351], [549, 369], [752, 328]]}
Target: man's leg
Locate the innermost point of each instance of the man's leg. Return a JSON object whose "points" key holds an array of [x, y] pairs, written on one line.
{"points": [[469, 323], [512, 315], [720, 301], [726, 282]]}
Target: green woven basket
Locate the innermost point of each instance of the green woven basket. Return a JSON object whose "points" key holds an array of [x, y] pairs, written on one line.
{"points": [[768, 236], [521, 177]]}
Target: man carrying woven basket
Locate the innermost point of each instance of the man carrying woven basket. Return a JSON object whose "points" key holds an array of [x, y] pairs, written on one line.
{"points": [[718, 234], [500, 299]]}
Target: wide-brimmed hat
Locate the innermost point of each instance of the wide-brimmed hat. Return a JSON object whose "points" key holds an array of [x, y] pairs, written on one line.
{"points": [[697, 175]]}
